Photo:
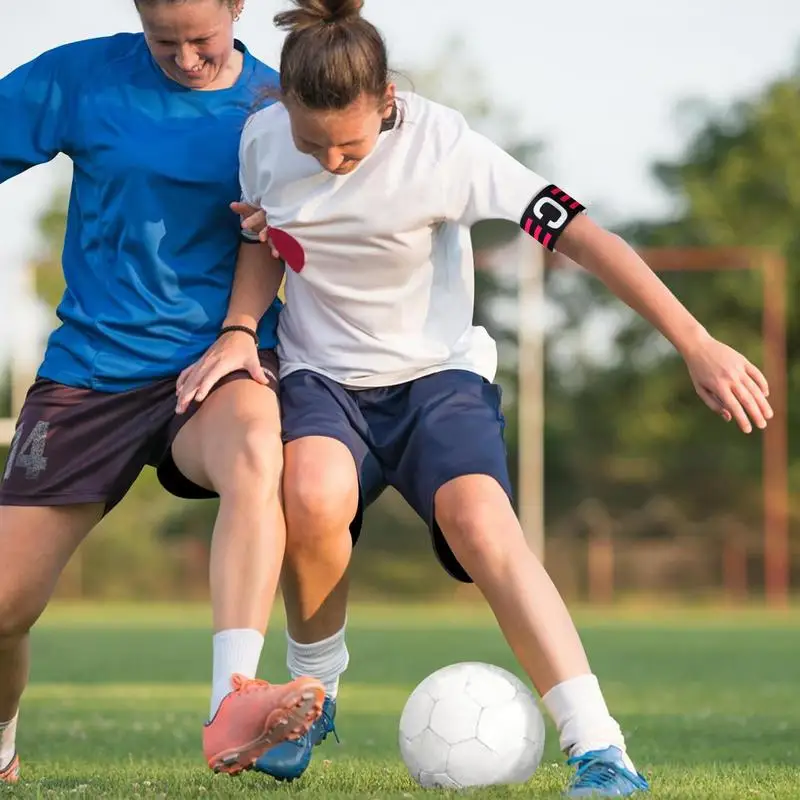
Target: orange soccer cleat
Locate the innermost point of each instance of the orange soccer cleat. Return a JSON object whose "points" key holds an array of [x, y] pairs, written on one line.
{"points": [[256, 716]]}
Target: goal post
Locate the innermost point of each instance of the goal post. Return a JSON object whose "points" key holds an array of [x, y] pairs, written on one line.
{"points": [[772, 266]]}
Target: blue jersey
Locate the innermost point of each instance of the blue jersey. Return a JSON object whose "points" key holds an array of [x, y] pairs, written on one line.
{"points": [[151, 243]]}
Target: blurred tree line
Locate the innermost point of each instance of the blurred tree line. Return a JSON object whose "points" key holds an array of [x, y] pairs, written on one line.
{"points": [[632, 431], [625, 430]]}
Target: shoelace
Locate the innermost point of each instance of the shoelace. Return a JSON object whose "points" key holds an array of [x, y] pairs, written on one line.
{"points": [[329, 726], [595, 772]]}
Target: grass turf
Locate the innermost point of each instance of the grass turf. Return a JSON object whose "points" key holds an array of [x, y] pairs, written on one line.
{"points": [[708, 701]]}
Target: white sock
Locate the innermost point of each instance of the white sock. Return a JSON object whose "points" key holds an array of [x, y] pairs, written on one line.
{"points": [[581, 715], [235, 651], [325, 660], [8, 743]]}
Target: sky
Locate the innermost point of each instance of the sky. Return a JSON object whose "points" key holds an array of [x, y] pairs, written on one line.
{"points": [[599, 83]]}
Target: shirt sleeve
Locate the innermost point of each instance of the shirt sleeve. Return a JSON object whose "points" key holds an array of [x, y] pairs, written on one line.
{"points": [[488, 183], [248, 174], [35, 106], [250, 147]]}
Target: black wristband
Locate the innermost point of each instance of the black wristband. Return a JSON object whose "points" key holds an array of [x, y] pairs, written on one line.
{"points": [[242, 328]]}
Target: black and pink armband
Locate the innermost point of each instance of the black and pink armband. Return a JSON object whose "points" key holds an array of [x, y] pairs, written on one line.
{"points": [[548, 215]]}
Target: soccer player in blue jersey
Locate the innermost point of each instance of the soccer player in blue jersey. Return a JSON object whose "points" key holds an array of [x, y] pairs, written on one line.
{"points": [[370, 195], [152, 124]]}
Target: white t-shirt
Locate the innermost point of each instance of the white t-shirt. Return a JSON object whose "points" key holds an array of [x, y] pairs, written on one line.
{"points": [[386, 292]]}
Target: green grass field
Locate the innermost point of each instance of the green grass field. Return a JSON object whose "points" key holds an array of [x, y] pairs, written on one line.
{"points": [[709, 702]]}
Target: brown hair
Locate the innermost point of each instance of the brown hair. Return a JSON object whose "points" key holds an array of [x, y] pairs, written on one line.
{"points": [[332, 55]]}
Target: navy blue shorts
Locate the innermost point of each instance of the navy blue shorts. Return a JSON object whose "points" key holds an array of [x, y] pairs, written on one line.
{"points": [[415, 436]]}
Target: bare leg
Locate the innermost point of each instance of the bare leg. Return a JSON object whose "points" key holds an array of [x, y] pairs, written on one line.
{"points": [[483, 532], [321, 500], [36, 543], [481, 528], [233, 446]]}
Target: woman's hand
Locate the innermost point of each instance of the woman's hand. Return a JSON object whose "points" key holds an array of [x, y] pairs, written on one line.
{"points": [[254, 221], [231, 352], [729, 384]]}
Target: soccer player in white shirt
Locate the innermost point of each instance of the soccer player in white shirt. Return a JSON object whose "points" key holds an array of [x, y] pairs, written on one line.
{"points": [[370, 195]]}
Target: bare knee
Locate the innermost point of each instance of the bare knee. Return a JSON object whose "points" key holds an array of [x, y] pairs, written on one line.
{"points": [[18, 614], [478, 524], [232, 445], [251, 460], [318, 502], [320, 498], [256, 456]]}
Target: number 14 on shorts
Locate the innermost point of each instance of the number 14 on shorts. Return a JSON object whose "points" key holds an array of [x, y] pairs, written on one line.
{"points": [[28, 453]]}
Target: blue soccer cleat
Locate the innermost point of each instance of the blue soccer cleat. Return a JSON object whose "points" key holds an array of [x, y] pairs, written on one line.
{"points": [[289, 760], [602, 773]]}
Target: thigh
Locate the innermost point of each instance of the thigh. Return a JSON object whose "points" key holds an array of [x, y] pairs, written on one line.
{"points": [[75, 446], [457, 430], [326, 439], [234, 434], [36, 543]]}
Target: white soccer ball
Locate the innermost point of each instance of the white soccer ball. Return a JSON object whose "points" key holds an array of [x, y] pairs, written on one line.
{"points": [[471, 725]]}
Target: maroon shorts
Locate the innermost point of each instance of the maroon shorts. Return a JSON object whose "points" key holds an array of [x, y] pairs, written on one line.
{"points": [[80, 446]]}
